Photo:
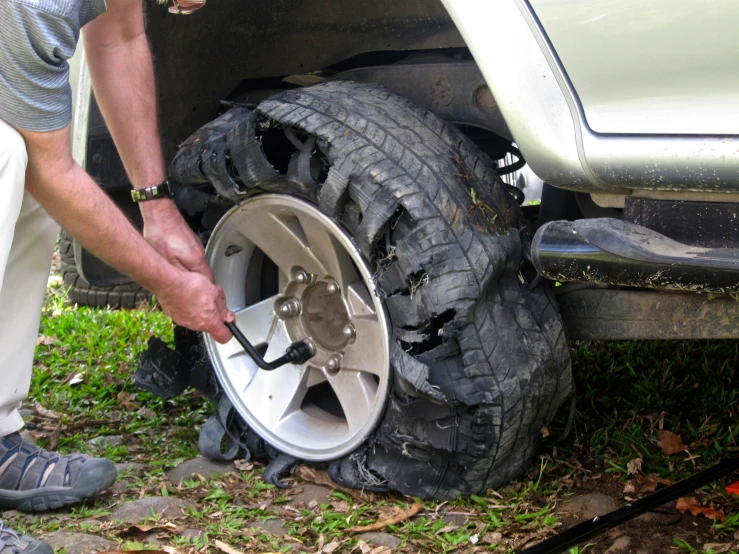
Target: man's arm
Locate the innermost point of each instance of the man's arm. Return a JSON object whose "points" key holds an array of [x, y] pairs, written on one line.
{"points": [[76, 202], [120, 65]]}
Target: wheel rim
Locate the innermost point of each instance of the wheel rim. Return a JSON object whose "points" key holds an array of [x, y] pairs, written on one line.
{"points": [[320, 290]]}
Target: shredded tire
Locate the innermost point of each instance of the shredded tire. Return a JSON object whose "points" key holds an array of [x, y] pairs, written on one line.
{"points": [[84, 294], [479, 355]]}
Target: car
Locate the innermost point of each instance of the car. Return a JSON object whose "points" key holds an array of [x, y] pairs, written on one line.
{"points": [[356, 170]]}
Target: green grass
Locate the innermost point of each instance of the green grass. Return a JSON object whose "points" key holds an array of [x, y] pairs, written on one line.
{"points": [[626, 393]]}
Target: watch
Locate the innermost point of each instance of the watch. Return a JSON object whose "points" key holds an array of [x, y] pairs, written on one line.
{"points": [[161, 190]]}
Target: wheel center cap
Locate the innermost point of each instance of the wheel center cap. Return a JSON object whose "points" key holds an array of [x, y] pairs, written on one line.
{"points": [[324, 317]]}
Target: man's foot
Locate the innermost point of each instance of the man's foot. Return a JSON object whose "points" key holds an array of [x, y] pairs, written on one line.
{"points": [[35, 480], [12, 543]]}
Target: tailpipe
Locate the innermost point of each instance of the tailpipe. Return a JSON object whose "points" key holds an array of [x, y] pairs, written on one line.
{"points": [[615, 252]]}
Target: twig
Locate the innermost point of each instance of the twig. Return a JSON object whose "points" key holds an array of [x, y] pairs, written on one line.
{"points": [[402, 515]]}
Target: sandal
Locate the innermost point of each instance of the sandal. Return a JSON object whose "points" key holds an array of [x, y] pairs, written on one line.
{"points": [[35, 480], [12, 543]]}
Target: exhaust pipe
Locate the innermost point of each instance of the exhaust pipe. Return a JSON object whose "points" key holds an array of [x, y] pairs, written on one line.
{"points": [[616, 252]]}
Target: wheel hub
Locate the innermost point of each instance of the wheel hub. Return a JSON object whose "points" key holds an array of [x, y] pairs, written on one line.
{"points": [[324, 317], [290, 273]]}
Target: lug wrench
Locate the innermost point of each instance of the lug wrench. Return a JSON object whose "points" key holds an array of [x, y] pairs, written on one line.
{"points": [[297, 353], [573, 536]]}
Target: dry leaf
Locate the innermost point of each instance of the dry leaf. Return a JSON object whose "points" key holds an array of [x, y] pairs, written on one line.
{"points": [[243, 465], [126, 399], [634, 466], [381, 550], [227, 549], [133, 552], [330, 547], [493, 538], [692, 505], [320, 477], [670, 443], [402, 515], [544, 431], [364, 548], [77, 379], [629, 488], [46, 341], [45, 412], [717, 547]]}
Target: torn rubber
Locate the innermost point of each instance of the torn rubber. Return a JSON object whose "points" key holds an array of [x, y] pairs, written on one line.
{"points": [[479, 358]]}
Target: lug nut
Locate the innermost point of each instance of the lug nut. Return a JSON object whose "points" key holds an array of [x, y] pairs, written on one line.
{"points": [[302, 277], [333, 287], [349, 331], [289, 308], [332, 364]]}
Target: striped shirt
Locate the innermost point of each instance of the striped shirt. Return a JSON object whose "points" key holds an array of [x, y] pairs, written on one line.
{"points": [[37, 37]]}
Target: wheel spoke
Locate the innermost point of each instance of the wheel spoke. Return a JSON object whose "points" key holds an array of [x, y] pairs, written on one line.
{"points": [[366, 352], [356, 392], [329, 252], [280, 392], [359, 300], [256, 321], [282, 239]]}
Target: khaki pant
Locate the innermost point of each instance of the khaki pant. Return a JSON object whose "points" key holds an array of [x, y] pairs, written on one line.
{"points": [[27, 239]]}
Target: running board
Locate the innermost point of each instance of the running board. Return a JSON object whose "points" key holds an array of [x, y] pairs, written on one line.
{"points": [[616, 252]]}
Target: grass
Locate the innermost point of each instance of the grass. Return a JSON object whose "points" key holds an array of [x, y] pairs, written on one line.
{"points": [[627, 392]]}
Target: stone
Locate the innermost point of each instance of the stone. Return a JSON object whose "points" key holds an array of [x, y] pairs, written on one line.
{"points": [[163, 506], [192, 534], [660, 518], [130, 467], [106, 440], [78, 543], [380, 539], [454, 520], [311, 493], [273, 526], [26, 413], [620, 545], [588, 506], [202, 466]]}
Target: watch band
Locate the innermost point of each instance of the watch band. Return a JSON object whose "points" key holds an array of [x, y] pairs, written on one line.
{"points": [[161, 190]]}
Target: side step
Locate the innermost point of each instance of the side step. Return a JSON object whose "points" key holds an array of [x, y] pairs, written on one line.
{"points": [[616, 252]]}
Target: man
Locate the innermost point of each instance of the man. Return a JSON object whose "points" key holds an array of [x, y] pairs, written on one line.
{"points": [[41, 186]]}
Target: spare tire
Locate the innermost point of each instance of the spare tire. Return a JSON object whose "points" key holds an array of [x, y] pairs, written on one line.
{"points": [[80, 292], [477, 350]]}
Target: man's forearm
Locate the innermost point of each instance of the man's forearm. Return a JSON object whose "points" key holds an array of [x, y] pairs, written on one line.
{"points": [[75, 201]]}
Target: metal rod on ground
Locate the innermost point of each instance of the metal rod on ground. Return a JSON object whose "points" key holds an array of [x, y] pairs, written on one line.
{"points": [[593, 527]]}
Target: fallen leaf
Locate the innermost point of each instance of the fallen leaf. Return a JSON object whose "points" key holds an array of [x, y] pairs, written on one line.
{"points": [[330, 547], [544, 431], [227, 549], [45, 412], [692, 505], [126, 399], [46, 341], [364, 548], [670, 443], [716, 547], [402, 515], [133, 552], [629, 488], [493, 538], [634, 466], [243, 465], [320, 477], [143, 529], [77, 379], [381, 550]]}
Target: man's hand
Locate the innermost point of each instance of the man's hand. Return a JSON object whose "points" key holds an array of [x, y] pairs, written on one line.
{"points": [[166, 230], [196, 303]]}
